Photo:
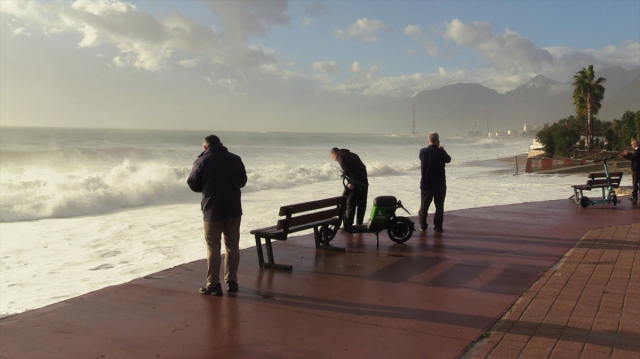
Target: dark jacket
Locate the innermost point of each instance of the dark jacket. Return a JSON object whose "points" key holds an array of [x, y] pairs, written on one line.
{"points": [[352, 166], [432, 161], [219, 175], [635, 160]]}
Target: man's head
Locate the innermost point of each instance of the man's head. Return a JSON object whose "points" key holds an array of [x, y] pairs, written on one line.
{"points": [[434, 138], [634, 143], [211, 140], [334, 153]]}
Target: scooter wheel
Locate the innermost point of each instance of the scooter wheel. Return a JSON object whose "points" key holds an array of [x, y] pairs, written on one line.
{"points": [[584, 202], [331, 233], [614, 199], [400, 229]]}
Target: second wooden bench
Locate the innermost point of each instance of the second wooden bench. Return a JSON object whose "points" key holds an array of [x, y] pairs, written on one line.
{"points": [[597, 180]]}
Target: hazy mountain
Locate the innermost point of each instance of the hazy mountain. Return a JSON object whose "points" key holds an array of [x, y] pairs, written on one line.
{"points": [[627, 98], [616, 78], [459, 108]]}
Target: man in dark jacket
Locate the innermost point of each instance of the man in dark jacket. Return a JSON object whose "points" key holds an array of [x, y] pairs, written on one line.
{"points": [[219, 175], [433, 184], [635, 167], [357, 185]]}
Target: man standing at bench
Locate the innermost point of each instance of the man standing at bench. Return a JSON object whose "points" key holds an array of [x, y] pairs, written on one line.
{"points": [[219, 175], [357, 187], [433, 184], [635, 167]]}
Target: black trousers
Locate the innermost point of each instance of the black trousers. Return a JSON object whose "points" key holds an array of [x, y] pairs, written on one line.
{"points": [[437, 196], [356, 205], [635, 178]]}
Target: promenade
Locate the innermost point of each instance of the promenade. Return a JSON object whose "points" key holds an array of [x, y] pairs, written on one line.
{"points": [[542, 279]]}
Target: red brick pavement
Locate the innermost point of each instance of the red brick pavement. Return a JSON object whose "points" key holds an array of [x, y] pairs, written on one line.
{"points": [[587, 307]]}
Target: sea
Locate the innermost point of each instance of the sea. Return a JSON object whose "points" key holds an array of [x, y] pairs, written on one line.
{"points": [[83, 209]]}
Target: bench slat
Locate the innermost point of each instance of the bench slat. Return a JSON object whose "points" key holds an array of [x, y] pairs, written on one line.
{"points": [[263, 230], [310, 206], [275, 233], [308, 218], [604, 175], [603, 182]]}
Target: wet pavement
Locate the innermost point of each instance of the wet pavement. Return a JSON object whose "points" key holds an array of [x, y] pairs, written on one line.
{"points": [[431, 297]]}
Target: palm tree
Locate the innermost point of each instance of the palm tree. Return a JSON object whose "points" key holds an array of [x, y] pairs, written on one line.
{"points": [[588, 94]]}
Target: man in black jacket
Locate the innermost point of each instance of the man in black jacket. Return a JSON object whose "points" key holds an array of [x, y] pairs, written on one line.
{"points": [[219, 175], [433, 184], [635, 167], [357, 186]]}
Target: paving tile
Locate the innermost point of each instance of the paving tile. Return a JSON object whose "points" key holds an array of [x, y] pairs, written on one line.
{"points": [[565, 353]]}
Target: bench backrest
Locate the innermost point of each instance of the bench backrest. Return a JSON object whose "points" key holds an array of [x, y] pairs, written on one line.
{"points": [[290, 210], [600, 178]]}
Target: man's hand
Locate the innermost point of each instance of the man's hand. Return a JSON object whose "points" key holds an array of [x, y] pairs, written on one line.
{"points": [[351, 186], [623, 153]]}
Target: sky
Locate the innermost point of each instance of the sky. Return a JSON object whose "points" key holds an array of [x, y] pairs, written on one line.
{"points": [[262, 65]]}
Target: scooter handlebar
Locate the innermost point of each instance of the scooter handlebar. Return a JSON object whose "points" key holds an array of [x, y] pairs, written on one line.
{"points": [[401, 206], [605, 159]]}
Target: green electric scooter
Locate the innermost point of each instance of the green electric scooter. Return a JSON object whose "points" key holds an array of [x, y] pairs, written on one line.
{"points": [[383, 217]]}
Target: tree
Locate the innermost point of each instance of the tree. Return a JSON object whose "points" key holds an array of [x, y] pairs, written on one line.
{"points": [[628, 128], [588, 94], [560, 138]]}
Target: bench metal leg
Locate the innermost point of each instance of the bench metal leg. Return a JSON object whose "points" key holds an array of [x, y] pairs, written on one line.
{"points": [[324, 234], [259, 248], [270, 264]]}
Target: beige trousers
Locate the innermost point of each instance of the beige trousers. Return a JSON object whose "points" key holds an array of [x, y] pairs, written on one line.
{"points": [[213, 232]]}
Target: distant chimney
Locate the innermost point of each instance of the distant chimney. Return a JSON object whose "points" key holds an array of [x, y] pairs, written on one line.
{"points": [[525, 127]]}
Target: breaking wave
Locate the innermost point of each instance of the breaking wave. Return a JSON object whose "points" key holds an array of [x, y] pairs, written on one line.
{"points": [[39, 193]]}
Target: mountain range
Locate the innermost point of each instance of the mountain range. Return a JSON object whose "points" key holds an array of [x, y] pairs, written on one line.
{"points": [[459, 108]]}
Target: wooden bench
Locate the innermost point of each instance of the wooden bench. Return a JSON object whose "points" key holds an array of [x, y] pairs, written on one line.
{"points": [[597, 180], [318, 215]]}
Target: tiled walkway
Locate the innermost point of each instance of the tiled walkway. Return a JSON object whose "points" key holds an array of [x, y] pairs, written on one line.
{"points": [[589, 307], [430, 297]]}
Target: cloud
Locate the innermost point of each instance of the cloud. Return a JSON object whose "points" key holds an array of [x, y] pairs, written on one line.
{"points": [[425, 40], [20, 31], [21, 9], [327, 67], [188, 63], [249, 18], [306, 22], [148, 42], [404, 86], [508, 52], [364, 29], [355, 67], [567, 60], [142, 56], [316, 8]]}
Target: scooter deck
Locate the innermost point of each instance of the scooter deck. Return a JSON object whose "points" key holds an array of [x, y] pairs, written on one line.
{"points": [[359, 229]]}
